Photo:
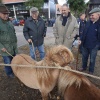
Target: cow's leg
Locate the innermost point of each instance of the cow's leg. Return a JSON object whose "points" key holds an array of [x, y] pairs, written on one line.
{"points": [[44, 96]]}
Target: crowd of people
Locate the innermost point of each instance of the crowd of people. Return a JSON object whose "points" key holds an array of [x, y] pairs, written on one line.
{"points": [[65, 28]]}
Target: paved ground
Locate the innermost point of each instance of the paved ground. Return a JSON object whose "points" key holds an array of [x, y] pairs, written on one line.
{"points": [[20, 37], [49, 39]]}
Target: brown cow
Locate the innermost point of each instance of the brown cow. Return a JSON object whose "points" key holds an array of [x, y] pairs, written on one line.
{"points": [[43, 79], [75, 86]]}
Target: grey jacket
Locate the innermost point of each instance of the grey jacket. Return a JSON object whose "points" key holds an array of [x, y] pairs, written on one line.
{"points": [[35, 30], [64, 34]]}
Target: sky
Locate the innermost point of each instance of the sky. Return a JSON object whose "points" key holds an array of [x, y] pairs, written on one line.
{"points": [[86, 1], [61, 2]]}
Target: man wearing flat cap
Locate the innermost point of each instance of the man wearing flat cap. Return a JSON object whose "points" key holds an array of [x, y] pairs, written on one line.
{"points": [[91, 40], [34, 32], [8, 39]]}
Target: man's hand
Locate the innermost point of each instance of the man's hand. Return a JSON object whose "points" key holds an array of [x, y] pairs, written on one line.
{"points": [[3, 49], [79, 42], [29, 41]]}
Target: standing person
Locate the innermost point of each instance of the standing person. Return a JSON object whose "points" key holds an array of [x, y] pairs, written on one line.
{"points": [[82, 22], [91, 40], [34, 32], [8, 39], [65, 27]]}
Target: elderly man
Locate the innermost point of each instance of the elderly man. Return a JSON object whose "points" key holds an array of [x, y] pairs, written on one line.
{"points": [[65, 28], [8, 39], [91, 40], [34, 32]]}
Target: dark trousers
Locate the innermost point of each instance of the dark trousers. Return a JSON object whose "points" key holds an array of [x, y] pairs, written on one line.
{"points": [[7, 60], [86, 52]]}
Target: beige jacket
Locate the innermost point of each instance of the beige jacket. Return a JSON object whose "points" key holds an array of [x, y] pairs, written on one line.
{"points": [[65, 34]]}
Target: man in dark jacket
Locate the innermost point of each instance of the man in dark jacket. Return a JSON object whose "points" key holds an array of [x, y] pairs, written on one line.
{"points": [[82, 22], [34, 32], [91, 40], [8, 39]]}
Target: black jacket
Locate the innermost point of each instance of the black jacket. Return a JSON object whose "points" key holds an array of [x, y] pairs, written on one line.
{"points": [[81, 27], [83, 37], [35, 30]]}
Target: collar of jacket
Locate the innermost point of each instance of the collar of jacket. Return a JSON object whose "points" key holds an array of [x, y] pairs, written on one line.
{"points": [[82, 20], [69, 17], [30, 18]]}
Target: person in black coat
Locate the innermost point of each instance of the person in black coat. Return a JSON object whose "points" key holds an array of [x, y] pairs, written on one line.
{"points": [[82, 23], [90, 40], [34, 32]]}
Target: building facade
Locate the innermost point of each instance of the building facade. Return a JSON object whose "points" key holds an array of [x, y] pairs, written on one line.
{"points": [[17, 8], [94, 3]]}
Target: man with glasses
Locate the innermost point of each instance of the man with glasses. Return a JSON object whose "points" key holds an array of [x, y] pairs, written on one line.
{"points": [[8, 39], [34, 32], [65, 27]]}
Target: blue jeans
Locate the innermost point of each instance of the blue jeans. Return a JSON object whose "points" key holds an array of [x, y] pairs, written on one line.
{"points": [[40, 49], [85, 55], [7, 60]]}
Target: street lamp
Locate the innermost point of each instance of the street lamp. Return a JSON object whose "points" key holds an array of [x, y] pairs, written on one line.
{"points": [[14, 12]]}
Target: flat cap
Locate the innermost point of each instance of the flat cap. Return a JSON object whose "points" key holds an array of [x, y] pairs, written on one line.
{"points": [[34, 9], [97, 9]]}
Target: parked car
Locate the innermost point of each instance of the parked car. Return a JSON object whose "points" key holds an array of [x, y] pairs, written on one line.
{"points": [[21, 22]]}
